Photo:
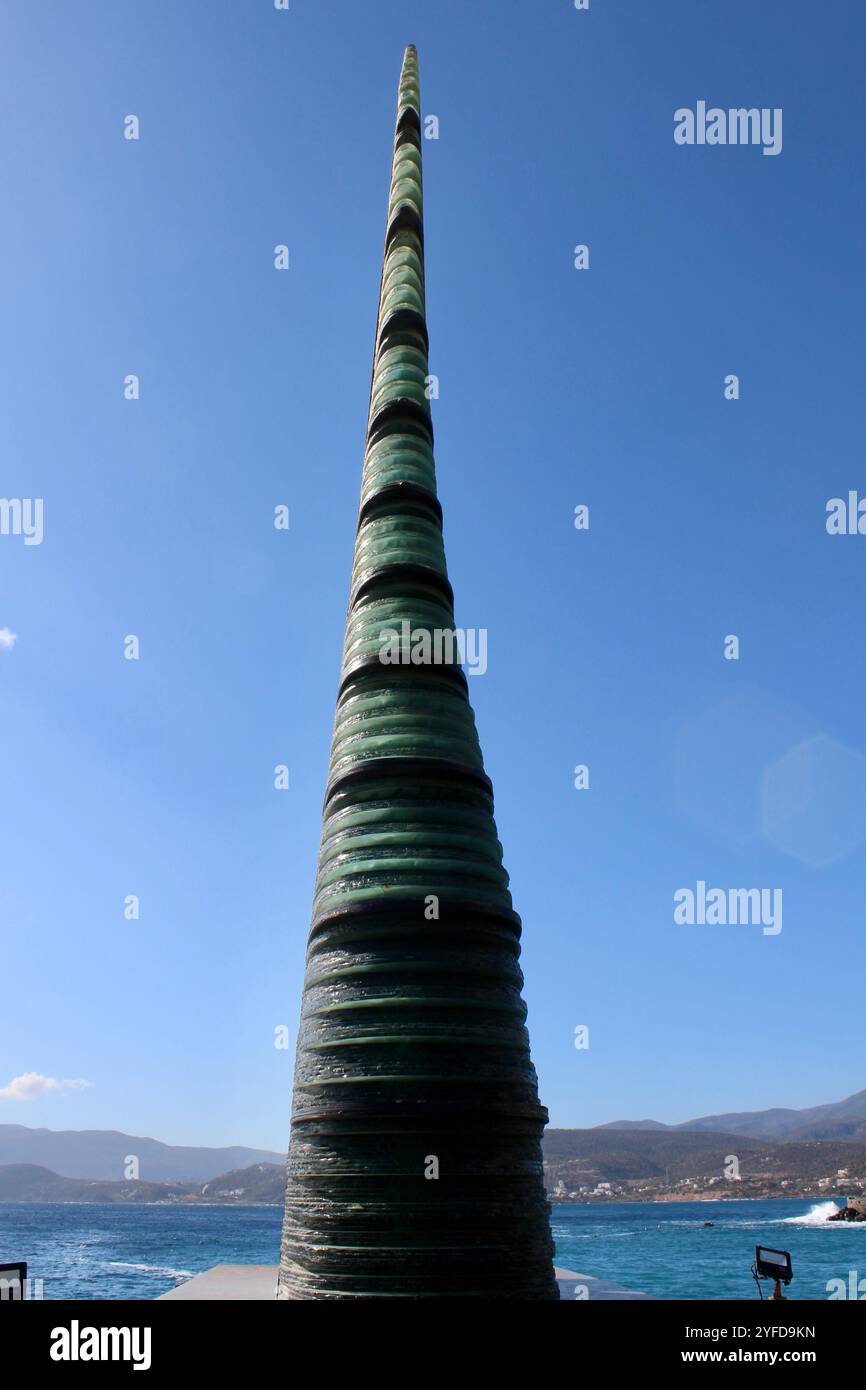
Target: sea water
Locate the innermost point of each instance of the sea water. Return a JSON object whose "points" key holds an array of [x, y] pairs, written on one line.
{"points": [[666, 1248], [661, 1248]]}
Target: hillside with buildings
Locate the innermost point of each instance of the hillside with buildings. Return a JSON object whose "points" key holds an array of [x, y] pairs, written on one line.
{"points": [[647, 1165], [580, 1165]]}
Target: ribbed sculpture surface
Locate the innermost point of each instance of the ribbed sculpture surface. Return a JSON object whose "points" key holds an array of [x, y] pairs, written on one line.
{"points": [[413, 1055]]}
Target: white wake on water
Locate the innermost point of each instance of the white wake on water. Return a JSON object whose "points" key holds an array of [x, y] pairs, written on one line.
{"points": [[153, 1269], [815, 1216]]}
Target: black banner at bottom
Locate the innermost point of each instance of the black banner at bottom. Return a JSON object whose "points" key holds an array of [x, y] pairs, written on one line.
{"points": [[256, 1339]]}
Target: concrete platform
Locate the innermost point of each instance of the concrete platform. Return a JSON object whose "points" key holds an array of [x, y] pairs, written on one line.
{"points": [[233, 1282], [584, 1286], [230, 1282]]}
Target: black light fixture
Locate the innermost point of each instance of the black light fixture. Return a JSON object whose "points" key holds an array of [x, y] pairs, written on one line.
{"points": [[13, 1281], [772, 1264]]}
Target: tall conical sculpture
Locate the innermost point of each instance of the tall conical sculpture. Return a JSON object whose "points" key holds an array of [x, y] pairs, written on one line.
{"points": [[414, 1167]]}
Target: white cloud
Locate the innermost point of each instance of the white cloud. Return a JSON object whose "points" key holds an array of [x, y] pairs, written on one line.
{"points": [[31, 1085], [7, 639]]}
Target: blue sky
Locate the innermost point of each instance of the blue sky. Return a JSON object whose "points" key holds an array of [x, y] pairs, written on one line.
{"points": [[558, 387]]}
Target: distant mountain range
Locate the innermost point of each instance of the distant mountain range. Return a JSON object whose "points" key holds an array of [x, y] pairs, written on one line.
{"points": [[619, 1155], [100, 1155], [571, 1157], [103, 1153], [262, 1183], [843, 1120]]}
